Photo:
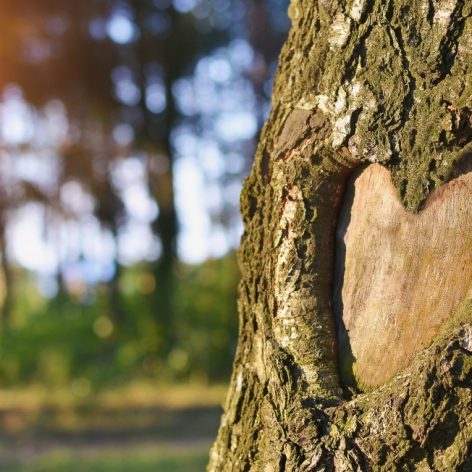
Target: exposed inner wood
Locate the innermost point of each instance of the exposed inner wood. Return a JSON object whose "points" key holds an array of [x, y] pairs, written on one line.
{"points": [[399, 275]]}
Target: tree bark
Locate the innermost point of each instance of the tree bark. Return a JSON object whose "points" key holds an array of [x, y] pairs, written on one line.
{"points": [[359, 82]]}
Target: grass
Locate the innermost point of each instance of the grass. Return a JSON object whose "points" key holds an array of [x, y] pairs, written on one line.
{"points": [[139, 427], [138, 459], [136, 393]]}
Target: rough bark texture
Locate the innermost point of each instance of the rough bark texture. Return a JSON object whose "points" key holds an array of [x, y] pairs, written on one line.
{"points": [[360, 81]]}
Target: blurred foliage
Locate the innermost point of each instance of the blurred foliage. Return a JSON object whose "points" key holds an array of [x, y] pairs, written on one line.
{"points": [[126, 128], [77, 343]]}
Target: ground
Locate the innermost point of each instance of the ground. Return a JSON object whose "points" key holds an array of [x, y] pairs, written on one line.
{"points": [[138, 427]]}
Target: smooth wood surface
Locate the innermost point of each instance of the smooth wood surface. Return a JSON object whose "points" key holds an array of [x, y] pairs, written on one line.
{"points": [[399, 275]]}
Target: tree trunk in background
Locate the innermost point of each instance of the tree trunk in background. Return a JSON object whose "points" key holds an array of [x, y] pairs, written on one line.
{"points": [[163, 297], [7, 279], [359, 82], [113, 290], [172, 54]]}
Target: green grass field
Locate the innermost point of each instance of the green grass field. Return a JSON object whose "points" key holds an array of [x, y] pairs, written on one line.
{"points": [[137, 428], [134, 459]]}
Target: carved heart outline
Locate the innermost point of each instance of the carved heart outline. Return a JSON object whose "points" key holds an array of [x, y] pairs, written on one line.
{"points": [[398, 276]]}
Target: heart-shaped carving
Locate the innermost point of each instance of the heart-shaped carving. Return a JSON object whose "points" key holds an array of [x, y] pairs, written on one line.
{"points": [[399, 275]]}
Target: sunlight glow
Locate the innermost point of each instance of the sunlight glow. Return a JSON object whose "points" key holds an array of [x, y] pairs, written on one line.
{"points": [[27, 242], [156, 98], [121, 29], [15, 117]]}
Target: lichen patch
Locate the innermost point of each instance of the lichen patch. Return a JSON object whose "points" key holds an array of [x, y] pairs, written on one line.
{"points": [[357, 9], [442, 16], [341, 129], [340, 31]]}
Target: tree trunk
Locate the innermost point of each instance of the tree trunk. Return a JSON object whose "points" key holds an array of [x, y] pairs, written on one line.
{"points": [[156, 135], [360, 82], [7, 270]]}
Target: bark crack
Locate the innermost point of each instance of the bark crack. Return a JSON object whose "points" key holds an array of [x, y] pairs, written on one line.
{"points": [[450, 41]]}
